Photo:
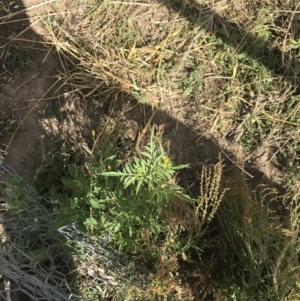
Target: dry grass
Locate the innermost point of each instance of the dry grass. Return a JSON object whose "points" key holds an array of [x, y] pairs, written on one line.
{"points": [[230, 69], [110, 54], [227, 69], [257, 247]]}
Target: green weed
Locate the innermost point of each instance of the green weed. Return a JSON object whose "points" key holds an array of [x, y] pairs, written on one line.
{"points": [[127, 205]]}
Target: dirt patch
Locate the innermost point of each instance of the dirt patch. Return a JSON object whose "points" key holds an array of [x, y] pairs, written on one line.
{"points": [[29, 95]]}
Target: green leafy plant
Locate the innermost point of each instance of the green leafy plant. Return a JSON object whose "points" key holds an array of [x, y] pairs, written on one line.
{"points": [[23, 204], [17, 207], [124, 205]]}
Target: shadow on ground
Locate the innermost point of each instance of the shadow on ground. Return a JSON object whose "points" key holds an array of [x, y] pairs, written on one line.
{"points": [[234, 35], [28, 85], [26, 95]]}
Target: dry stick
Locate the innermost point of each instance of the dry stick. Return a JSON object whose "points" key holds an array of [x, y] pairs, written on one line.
{"points": [[28, 19], [143, 132], [23, 84], [33, 107], [131, 3], [27, 28], [139, 138], [25, 10], [278, 150], [47, 98], [223, 152], [100, 134], [19, 34]]}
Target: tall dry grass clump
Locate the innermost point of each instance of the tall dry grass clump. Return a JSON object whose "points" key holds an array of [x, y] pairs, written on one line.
{"points": [[259, 244]]}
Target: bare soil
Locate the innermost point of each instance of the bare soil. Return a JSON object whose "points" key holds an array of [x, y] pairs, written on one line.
{"points": [[30, 95]]}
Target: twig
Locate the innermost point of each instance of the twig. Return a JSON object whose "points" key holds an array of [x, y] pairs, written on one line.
{"points": [[143, 132], [232, 161], [23, 84]]}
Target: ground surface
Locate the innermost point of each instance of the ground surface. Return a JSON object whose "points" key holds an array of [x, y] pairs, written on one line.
{"points": [[206, 113], [28, 94]]}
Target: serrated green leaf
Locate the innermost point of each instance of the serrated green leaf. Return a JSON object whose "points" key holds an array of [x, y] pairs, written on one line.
{"points": [[130, 231], [111, 158], [128, 169], [125, 181], [167, 173], [145, 154], [149, 149], [129, 182], [138, 187], [143, 165], [158, 160], [182, 166]]}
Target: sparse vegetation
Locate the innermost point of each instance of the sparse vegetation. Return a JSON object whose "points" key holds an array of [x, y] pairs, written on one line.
{"points": [[224, 70]]}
